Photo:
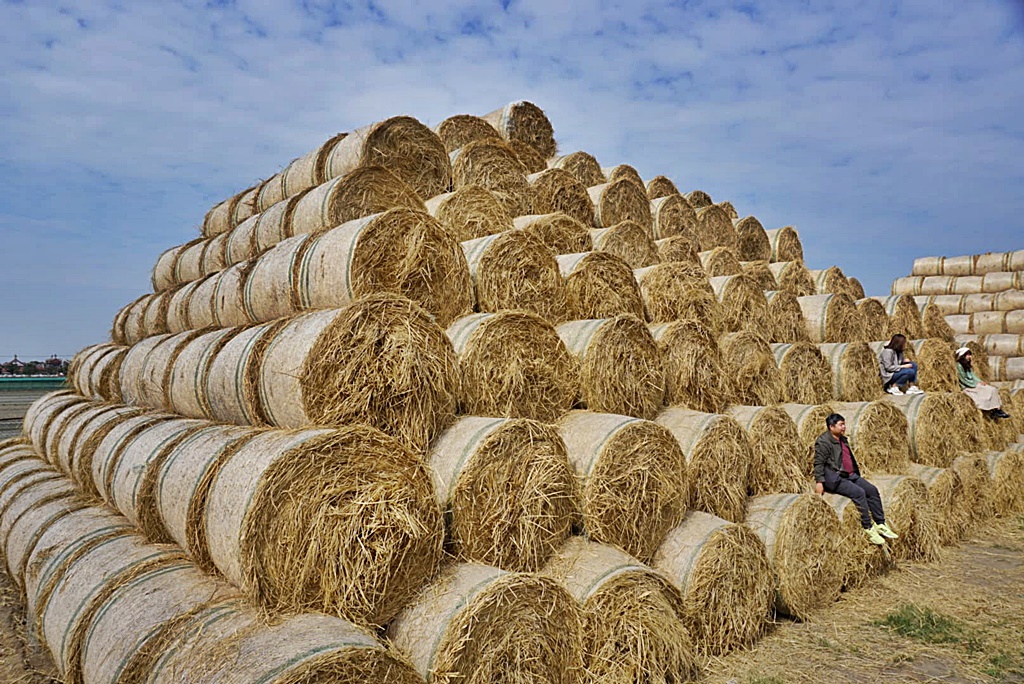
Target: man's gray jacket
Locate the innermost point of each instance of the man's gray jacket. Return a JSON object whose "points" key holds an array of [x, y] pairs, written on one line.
{"points": [[828, 456]]}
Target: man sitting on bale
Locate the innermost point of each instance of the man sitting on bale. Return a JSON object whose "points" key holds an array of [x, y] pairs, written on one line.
{"points": [[984, 395], [836, 472]]}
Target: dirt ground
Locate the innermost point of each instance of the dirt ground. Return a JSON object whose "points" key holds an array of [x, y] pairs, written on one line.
{"points": [[974, 631]]}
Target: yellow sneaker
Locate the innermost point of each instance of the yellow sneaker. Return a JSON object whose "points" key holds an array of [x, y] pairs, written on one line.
{"points": [[874, 537], [884, 530]]}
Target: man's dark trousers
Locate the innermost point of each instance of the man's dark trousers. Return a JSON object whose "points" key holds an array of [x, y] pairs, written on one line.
{"points": [[864, 494]]}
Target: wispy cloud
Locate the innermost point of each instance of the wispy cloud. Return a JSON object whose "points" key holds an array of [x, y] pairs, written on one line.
{"points": [[883, 130]]}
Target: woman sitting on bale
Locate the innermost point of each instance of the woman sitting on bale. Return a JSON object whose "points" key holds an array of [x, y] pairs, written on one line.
{"points": [[836, 472], [896, 371], [984, 395]]}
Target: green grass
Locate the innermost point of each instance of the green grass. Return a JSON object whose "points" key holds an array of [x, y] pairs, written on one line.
{"points": [[923, 624]]}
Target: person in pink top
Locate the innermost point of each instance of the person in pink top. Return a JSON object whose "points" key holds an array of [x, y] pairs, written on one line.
{"points": [[836, 472]]}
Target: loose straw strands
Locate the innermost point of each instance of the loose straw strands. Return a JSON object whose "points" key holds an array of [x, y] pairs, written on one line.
{"points": [[855, 370], [633, 479], [620, 366], [749, 365], [515, 270], [946, 496], [629, 241], [936, 367], [722, 570], [1006, 469], [777, 454], [761, 273], [873, 318], [599, 285], [800, 533], [784, 318], [978, 494], [618, 201], [513, 364], [718, 460], [969, 424], [933, 324], [556, 190], [479, 625], [560, 233], [785, 244], [904, 316], [494, 165], [907, 511], [855, 289], [470, 212], [694, 368], [582, 166], [524, 460], [807, 376], [793, 276], [634, 619], [753, 244], [678, 248], [831, 318], [877, 431]]}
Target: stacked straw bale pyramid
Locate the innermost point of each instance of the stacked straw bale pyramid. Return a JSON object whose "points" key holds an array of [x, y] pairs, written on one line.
{"points": [[446, 405]]}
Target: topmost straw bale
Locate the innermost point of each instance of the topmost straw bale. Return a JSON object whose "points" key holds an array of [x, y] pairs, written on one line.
{"points": [[525, 122]]}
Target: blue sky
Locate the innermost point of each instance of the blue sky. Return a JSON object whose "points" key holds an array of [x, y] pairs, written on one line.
{"points": [[881, 130]]}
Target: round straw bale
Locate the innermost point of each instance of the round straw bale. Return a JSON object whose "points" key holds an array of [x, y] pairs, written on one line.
{"points": [[831, 318], [118, 333], [154, 379], [676, 291], [793, 276], [996, 322], [908, 513], [877, 431], [729, 209], [525, 122], [41, 412], [807, 376], [854, 369], [623, 172], [619, 201], [718, 460], [931, 433], [178, 308], [275, 223], [963, 265], [515, 270], [749, 366], [25, 480], [873, 318], [229, 643], [620, 366], [904, 316], [301, 174], [978, 494], [858, 559], [470, 212], [830, 280], [82, 586], [26, 516], [461, 129], [810, 423], [777, 454], [241, 242], [79, 373], [179, 485], [62, 421], [187, 382], [672, 216], [155, 320], [678, 248], [970, 425], [715, 229], [102, 439], [946, 496], [722, 570], [753, 244], [634, 618], [784, 320], [97, 421], [936, 369], [633, 476], [215, 254], [338, 521], [189, 264], [699, 199], [742, 302], [245, 205], [163, 276], [105, 377], [854, 288], [1006, 469], [933, 324], [70, 434], [961, 324], [229, 390], [125, 474], [403, 146], [693, 363], [400, 251], [494, 165], [720, 261], [533, 162], [630, 241], [231, 290], [998, 433], [202, 302], [269, 290], [800, 533], [108, 451], [560, 233], [761, 273], [661, 186], [148, 603], [785, 243], [556, 190], [582, 166], [480, 625], [362, 192], [135, 320], [599, 285], [513, 364], [132, 389], [382, 361], [527, 462]]}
